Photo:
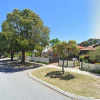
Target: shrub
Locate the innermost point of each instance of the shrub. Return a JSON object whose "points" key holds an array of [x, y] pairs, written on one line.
{"points": [[28, 53], [94, 56], [81, 57], [86, 61], [98, 72], [37, 54], [46, 56], [82, 69], [78, 64]]}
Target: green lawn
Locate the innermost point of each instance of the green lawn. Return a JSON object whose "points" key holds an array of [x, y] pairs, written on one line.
{"points": [[71, 82]]}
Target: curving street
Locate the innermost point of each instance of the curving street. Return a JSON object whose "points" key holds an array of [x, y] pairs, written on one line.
{"points": [[19, 86]]}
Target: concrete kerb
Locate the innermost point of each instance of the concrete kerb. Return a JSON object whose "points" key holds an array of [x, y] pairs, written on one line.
{"points": [[72, 96]]}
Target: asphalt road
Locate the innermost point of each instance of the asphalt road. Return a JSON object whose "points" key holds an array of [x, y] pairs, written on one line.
{"points": [[19, 86]]}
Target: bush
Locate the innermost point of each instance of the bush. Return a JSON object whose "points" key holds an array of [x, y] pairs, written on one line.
{"points": [[37, 54], [81, 57], [86, 61], [46, 56], [98, 72], [29, 53], [82, 69], [94, 56], [78, 64]]}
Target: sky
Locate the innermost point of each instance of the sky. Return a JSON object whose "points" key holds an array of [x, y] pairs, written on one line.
{"points": [[67, 19]]}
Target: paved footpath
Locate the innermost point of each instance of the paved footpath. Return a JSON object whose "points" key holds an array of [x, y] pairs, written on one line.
{"points": [[76, 71], [19, 86]]}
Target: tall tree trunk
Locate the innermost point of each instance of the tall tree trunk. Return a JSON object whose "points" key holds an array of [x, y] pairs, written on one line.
{"points": [[23, 55], [63, 64], [12, 56]]}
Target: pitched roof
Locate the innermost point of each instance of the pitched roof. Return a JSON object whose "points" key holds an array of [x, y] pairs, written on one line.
{"points": [[80, 47], [92, 47]]}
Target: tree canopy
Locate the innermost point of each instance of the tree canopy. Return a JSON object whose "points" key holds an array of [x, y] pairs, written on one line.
{"points": [[9, 43], [64, 49], [28, 28], [54, 41], [90, 42]]}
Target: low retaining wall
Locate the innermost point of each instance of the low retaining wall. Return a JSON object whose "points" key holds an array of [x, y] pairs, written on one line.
{"points": [[91, 67], [40, 59], [61, 63], [70, 63]]}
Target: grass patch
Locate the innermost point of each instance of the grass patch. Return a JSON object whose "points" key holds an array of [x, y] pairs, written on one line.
{"points": [[71, 82]]}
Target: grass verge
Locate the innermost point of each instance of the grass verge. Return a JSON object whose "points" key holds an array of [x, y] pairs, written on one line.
{"points": [[71, 82]]}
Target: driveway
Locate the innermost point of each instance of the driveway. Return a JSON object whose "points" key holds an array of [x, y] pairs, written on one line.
{"points": [[18, 85]]}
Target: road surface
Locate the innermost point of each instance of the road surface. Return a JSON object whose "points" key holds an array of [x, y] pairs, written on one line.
{"points": [[19, 86]]}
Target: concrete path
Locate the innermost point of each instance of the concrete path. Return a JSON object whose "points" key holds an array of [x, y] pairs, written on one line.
{"points": [[19, 86], [75, 71]]}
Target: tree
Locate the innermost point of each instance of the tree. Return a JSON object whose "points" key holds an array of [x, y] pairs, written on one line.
{"points": [[2, 43], [8, 39], [39, 49], [90, 42], [8, 43], [64, 49], [29, 28], [72, 42], [94, 55], [54, 41], [72, 48], [60, 49]]}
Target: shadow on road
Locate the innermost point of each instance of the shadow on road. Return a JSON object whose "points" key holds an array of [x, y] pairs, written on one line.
{"points": [[7, 67], [59, 74]]}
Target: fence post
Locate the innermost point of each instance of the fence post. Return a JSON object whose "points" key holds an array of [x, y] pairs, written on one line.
{"points": [[80, 64]]}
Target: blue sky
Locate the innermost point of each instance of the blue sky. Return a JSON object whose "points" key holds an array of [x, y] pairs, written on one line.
{"points": [[67, 19]]}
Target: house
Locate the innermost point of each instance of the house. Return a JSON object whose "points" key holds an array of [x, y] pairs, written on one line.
{"points": [[48, 51], [85, 50], [45, 52]]}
